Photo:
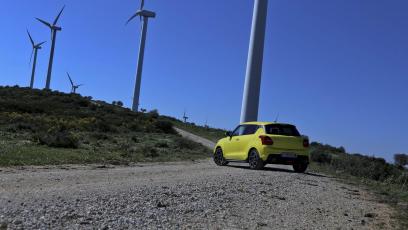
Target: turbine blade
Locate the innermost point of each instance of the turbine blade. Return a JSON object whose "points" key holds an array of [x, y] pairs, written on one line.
{"points": [[142, 5], [31, 39], [131, 18], [44, 22], [40, 44], [59, 15], [72, 83]]}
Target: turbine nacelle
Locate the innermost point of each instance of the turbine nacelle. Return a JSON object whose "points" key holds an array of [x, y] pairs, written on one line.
{"points": [[38, 46], [142, 13], [57, 28], [146, 13]]}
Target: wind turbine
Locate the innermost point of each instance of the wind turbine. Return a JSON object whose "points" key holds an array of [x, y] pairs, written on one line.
{"points": [[250, 101], [36, 47], [73, 86], [54, 29], [185, 117], [144, 16]]}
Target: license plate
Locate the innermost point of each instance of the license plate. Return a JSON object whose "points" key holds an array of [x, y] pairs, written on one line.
{"points": [[289, 155]]}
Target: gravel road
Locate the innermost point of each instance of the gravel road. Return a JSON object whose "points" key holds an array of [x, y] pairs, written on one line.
{"points": [[198, 139], [196, 195]]}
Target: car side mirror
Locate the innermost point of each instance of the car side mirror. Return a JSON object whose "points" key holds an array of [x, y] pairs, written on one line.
{"points": [[228, 134]]}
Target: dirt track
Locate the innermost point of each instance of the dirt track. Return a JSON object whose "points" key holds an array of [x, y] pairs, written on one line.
{"points": [[182, 195]]}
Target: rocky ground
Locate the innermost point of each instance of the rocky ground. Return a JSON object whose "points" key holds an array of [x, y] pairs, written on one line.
{"points": [[196, 195]]}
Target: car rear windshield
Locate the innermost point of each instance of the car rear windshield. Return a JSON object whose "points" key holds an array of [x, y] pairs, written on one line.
{"points": [[284, 130]]}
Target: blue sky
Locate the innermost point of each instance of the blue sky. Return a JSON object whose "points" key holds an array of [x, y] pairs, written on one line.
{"points": [[337, 69]]}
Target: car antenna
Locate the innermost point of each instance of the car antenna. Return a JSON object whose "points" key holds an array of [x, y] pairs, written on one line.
{"points": [[277, 117]]}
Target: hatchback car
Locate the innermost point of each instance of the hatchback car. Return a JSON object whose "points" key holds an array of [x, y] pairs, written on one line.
{"points": [[261, 143]]}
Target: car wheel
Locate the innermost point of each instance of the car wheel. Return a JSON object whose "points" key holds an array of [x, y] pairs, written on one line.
{"points": [[219, 158], [254, 160], [300, 167]]}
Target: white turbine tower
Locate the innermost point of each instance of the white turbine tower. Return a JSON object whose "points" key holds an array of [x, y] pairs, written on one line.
{"points": [[250, 101], [54, 29], [36, 47], [144, 15]]}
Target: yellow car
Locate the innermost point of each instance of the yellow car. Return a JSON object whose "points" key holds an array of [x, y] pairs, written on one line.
{"points": [[261, 143]]}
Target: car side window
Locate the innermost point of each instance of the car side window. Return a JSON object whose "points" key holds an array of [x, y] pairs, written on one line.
{"points": [[239, 131], [274, 130], [250, 129]]}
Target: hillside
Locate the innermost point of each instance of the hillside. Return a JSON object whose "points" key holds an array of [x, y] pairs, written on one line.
{"points": [[39, 127]]}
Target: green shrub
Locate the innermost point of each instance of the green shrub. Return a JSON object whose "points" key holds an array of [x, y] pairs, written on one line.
{"points": [[149, 151], [162, 144], [320, 157], [185, 144], [100, 136], [104, 126], [401, 159], [164, 126], [135, 127], [135, 139], [154, 114], [59, 139]]}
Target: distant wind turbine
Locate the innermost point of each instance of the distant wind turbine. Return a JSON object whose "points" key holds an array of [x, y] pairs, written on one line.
{"points": [[144, 15], [54, 29], [73, 86], [36, 47], [185, 118]]}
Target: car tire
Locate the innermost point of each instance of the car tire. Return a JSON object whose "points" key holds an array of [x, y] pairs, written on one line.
{"points": [[254, 160], [300, 167], [219, 158]]}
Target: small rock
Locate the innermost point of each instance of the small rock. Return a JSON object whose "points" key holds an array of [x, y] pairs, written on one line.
{"points": [[370, 215], [161, 204], [101, 167], [17, 222]]}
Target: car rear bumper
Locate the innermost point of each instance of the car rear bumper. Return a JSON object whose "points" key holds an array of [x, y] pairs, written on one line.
{"points": [[281, 159]]}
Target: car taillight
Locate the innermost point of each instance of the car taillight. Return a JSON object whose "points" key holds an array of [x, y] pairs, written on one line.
{"points": [[266, 140], [306, 143]]}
